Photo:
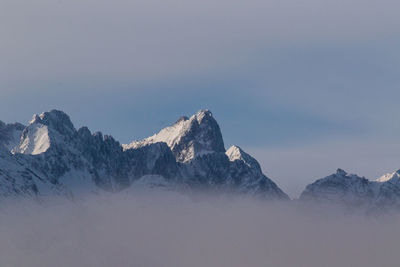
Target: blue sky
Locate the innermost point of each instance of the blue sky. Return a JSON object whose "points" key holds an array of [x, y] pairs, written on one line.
{"points": [[307, 86]]}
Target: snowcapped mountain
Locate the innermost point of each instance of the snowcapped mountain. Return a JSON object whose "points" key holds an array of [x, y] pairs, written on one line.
{"points": [[49, 156], [188, 137], [354, 192]]}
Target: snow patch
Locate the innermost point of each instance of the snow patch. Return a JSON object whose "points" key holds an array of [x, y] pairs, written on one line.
{"points": [[388, 176], [234, 153]]}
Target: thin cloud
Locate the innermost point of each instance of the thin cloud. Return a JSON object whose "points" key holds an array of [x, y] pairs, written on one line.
{"points": [[169, 230]]}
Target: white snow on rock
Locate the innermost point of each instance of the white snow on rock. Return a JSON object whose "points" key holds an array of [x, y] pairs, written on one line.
{"points": [[35, 141], [170, 135], [235, 153], [388, 176]]}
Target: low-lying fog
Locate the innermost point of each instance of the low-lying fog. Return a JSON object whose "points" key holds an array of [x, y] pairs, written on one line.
{"points": [[169, 230]]}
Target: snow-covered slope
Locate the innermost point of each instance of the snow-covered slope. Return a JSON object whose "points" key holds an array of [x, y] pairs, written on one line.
{"points": [[52, 157]]}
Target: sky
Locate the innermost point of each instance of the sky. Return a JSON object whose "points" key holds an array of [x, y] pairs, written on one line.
{"points": [[306, 86]]}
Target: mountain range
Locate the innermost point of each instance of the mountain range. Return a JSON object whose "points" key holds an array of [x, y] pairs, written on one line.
{"points": [[49, 156]]}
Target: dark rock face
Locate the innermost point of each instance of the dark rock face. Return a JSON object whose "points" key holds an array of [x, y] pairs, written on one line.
{"points": [[153, 159], [52, 153], [210, 169], [10, 134]]}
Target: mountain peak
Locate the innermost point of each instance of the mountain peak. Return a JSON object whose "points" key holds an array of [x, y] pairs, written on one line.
{"points": [[55, 119], [203, 113], [189, 137], [341, 172], [43, 130], [236, 153]]}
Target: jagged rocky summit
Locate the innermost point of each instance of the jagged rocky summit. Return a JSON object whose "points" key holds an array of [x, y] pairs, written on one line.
{"points": [[50, 156]]}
